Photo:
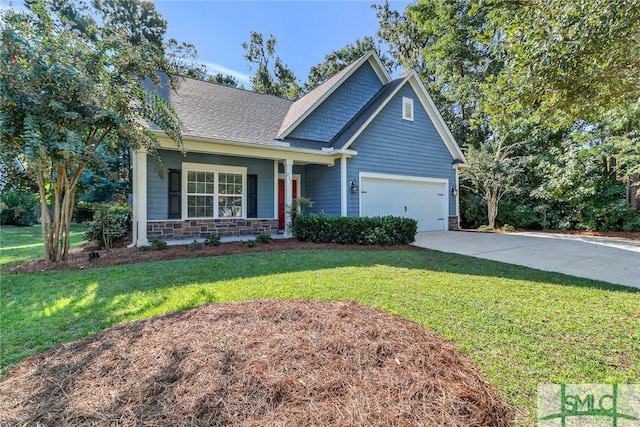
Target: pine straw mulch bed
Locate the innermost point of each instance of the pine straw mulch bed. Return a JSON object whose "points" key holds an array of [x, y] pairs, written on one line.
{"points": [[120, 254], [286, 363]]}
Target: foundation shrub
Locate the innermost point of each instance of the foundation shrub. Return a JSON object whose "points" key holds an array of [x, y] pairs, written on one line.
{"points": [[387, 230]]}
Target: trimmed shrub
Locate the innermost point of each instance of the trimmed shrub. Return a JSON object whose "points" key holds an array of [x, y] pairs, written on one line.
{"points": [[387, 230], [18, 207], [264, 238], [110, 224], [212, 240], [155, 245], [193, 246], [249, 243]]}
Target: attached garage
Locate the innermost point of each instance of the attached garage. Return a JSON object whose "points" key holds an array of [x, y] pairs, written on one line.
{"points": [[423, 199]]}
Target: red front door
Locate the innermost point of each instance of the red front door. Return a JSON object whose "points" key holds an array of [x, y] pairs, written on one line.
{"points": [[294, 186]]}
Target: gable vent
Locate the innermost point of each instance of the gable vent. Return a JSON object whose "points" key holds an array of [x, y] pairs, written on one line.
{"points": [[407, 108]]}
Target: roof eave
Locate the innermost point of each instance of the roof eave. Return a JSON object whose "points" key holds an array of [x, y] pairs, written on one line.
{"points": [[378, 68], [271, 147], [431, 109], [437, 118]]}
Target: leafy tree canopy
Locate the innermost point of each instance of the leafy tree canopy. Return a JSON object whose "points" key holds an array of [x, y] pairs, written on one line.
{"points": [[272, 76], [183, 61], [565, 60], [72, 88], [437, 39], [224, 79], [335, 61]]}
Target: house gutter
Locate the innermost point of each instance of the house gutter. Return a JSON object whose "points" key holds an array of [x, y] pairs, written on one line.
{"points": [[331, 153]]}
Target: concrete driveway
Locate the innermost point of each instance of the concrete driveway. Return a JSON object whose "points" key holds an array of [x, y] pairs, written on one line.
{"points": [[601, 258]]}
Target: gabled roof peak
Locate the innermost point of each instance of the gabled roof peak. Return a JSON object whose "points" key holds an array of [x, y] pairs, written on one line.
{"points": [[304, 106], [356, 126]]}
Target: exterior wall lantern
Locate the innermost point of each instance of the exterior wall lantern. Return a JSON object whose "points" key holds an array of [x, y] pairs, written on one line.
{"points": [[354, 186], [454, 191]]}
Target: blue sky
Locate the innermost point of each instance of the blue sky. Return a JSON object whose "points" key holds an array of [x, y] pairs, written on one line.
{"points": [[306, 30]]}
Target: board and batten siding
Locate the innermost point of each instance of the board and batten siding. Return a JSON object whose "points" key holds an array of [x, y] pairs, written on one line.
{"points": [[322, 187], [340, 107], [157, 187], [395, 146]]}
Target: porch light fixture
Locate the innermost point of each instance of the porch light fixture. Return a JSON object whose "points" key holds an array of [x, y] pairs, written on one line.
{"points": [[354, 186], [454, 191]]}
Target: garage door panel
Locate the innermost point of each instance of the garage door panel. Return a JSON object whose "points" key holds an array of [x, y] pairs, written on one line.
{"points": [[420, 200]]}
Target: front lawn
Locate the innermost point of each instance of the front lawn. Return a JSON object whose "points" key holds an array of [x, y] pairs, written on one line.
{"points": [[24, 244], [522, 327]]}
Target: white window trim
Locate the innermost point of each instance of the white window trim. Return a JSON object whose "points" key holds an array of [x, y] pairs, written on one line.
{"points": [[203, 167], [407, 101]]}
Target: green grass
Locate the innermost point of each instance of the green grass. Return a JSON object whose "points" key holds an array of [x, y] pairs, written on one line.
{"points": [[23, 244], [521, 327]]}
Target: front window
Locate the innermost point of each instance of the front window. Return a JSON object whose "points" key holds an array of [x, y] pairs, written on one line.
{"points": [[230, 195], [214, 191], [200, 193]]}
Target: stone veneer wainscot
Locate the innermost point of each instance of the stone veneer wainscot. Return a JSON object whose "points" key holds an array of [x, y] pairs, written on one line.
{"points": [[454, 223], [201, 228]]}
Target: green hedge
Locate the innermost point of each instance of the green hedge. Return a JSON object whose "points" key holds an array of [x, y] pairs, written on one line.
{"points": [[387, 230]]}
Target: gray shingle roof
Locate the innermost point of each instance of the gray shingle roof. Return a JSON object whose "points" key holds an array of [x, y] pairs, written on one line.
{"points": [[219, 112], [214, 111]]}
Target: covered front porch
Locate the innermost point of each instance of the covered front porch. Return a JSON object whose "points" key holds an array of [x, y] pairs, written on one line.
{"points": [[221, 189]]}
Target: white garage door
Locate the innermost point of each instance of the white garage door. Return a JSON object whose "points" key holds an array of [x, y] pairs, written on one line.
{"points": [[424, 201]]}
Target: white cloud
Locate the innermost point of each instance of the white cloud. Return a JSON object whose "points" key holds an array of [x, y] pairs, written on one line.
{"points": [[214, 68]]}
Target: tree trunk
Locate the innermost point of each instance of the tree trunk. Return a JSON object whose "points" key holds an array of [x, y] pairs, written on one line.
{"points": [[56, 230], [45, 217], [492, 209]]}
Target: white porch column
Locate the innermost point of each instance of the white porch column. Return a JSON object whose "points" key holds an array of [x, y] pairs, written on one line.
{"points": [[288, 193], [275, 189], [343, 186], [140, 199]]}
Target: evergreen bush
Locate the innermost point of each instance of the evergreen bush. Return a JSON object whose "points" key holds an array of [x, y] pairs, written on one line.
{"points": [[18, 207], [323, 228], [110, 224]]}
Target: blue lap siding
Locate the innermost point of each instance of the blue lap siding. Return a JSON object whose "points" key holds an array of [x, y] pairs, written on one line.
{"points": [[334, 113], [392, 145], [323, 188], [157, 186]]}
